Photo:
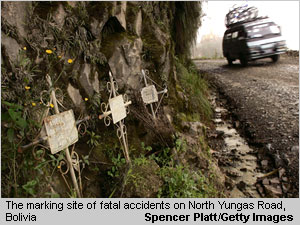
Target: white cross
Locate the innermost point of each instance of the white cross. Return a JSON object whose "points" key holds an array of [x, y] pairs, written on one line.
{"points": [[150, 94], [117, 104]]}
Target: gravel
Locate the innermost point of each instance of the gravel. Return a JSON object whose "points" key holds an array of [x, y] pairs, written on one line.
{"points": [[264, 98]]}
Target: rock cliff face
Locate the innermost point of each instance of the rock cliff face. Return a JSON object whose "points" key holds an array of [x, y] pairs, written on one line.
{"points": [[123, 37], [77, 44]]}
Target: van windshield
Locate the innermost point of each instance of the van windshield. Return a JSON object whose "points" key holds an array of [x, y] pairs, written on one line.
{"points": [[262, 30]]}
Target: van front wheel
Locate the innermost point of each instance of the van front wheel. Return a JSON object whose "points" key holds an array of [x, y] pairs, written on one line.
{"points": [[229, 60], [275, 58], [243, 61]]}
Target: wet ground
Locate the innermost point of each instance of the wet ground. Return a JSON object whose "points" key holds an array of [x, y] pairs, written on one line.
{"points": [[235, 157], [263, 102]]}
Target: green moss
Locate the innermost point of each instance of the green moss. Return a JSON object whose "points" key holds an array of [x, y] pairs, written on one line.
{"points": [[131, 15], [196, 90], [109, 44], [152, 48], [187, 17]]}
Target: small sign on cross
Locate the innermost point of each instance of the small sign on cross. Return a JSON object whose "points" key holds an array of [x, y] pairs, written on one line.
{"points": [[61, 130], [117, 108], [149, 94]]}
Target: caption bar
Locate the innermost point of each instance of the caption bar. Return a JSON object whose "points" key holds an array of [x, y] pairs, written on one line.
{"points": [[152, 211]]}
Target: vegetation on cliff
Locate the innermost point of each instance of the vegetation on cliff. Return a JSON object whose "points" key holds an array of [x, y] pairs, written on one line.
{"points": [[77, 44]]}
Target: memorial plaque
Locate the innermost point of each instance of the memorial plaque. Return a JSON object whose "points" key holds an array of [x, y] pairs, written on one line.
{"points": [[61, 130], [117, 108], [149, 94]]}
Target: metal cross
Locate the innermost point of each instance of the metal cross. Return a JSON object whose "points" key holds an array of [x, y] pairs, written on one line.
{"points": [[53, 132], [150, 94], [118, 105], [69, 158]]}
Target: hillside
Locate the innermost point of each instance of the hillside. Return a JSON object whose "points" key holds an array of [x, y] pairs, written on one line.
{"points": [[77, 44]]}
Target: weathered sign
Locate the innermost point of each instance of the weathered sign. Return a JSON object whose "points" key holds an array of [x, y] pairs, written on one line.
{"points": [[117, 108], [149, 94], [61, 130]]}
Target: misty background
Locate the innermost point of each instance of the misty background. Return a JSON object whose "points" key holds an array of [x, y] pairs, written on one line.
{"points": [[210, 46]]}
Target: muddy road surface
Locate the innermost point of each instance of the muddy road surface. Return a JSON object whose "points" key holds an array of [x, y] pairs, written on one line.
{"points": [[263, 101]]}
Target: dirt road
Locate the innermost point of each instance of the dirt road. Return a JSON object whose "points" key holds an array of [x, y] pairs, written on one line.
{"points": [[264, 100]]}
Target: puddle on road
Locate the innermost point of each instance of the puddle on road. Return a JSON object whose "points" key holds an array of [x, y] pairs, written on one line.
{"points": [[240, 161]]}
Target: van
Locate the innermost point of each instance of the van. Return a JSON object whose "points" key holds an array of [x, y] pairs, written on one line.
{"points": [[251, 40]]}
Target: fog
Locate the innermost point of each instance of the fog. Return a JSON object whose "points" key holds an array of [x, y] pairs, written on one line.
{"points": [[210, 46]]}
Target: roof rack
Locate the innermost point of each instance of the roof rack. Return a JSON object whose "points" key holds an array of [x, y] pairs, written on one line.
{"points": [[247, 21], [241, 14]]}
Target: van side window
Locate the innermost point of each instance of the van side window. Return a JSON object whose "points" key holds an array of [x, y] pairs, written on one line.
{"points": [[242, 33]]}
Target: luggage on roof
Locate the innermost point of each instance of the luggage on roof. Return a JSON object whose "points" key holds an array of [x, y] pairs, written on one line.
{"points": [[241, 14]]}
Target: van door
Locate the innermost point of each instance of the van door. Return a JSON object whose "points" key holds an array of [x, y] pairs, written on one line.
{"points": [[242, 45]]}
